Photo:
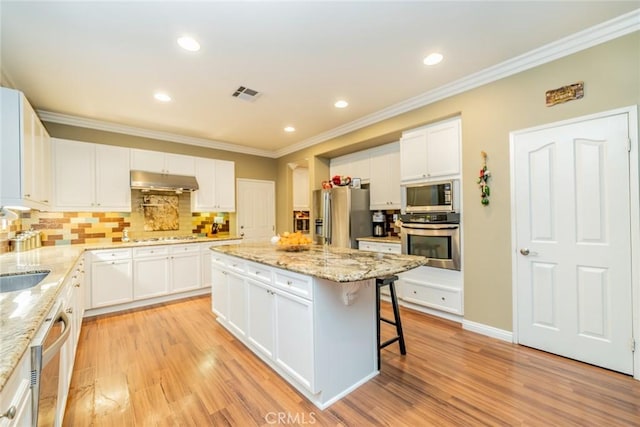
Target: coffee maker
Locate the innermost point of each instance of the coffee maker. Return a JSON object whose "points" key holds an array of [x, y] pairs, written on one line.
{"points": [[379, 224]]}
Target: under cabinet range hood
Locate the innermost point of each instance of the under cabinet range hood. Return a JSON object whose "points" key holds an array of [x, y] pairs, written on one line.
{"points": [[147, 181]]}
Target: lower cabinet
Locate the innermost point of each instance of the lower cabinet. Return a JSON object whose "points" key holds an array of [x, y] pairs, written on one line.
{"points": [[261, 304], [185, 267], [111, 277], [271, 310], [16, 395], [311, 331], [433, 288], [294, 332], [237, 309], [150, 271]]}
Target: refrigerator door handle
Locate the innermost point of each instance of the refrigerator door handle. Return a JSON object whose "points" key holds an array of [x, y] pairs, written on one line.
{"points": [[326, 226]]}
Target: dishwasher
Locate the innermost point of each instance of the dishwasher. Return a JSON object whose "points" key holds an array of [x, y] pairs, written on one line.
{"points": [[45, 367]]}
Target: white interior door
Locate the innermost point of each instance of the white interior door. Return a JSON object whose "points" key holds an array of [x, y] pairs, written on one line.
{"points": [[571, 188], [256, 210]]}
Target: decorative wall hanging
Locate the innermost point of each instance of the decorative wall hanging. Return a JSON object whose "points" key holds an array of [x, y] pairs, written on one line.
{"points": [[564, 94], [483, 180], [160, 212]]}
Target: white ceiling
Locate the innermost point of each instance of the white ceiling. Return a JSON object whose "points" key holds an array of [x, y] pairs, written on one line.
{"points": [[104, 60]]}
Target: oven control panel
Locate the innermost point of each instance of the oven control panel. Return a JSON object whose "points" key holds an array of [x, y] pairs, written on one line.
{"points": [[432, 218]]}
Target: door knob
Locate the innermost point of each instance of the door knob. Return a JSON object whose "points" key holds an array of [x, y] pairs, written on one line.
{"points": [[524, 251]]}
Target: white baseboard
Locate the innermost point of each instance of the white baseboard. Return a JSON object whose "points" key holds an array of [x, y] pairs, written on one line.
{"points": [[487, 330]]}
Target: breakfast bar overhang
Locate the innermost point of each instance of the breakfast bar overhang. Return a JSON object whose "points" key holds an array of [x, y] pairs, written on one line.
{"points": [[310, 315]]}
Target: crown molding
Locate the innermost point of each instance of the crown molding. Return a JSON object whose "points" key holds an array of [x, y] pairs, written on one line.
{"points": [[601, 33], [84, 122]]}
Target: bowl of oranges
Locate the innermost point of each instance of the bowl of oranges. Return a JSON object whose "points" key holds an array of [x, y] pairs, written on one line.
{"points": [[292, 242]]}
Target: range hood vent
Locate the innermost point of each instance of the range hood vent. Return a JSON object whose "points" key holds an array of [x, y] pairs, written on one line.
{"points": [[147, 181]]}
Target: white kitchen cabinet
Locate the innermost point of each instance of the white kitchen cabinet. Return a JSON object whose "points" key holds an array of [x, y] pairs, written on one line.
{"points": [[219, 288], [295, 338], [431, 152], [434, 288], [25, 172], [384, 185], [300, 178], [216, 182], [237, 308], [159, 162], [91, 177], [16, 395], [261, 300], [111, 277], [185, 267], [150, 271], [355, 165]]}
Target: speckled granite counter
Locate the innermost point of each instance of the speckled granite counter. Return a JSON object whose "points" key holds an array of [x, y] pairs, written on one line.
{"points": [[335, 264], [22, 312]]}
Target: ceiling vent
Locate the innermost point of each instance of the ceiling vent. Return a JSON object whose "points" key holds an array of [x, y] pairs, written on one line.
{"points": [[246, 94]]}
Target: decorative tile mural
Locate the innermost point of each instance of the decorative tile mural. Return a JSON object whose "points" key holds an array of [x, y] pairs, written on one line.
{"points": [[160, 212]]}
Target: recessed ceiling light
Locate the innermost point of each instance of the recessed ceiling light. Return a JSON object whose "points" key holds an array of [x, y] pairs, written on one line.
{"points": [[289, 129], [433, 59], [189, 43], [341, 104], [162, 97]]}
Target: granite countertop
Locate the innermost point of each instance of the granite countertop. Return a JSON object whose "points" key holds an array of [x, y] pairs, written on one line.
{"points": [[22, 312], [386, 239], [326, 262]]}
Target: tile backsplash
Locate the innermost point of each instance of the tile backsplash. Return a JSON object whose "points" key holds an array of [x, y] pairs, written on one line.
{"points": [[67, 228]]}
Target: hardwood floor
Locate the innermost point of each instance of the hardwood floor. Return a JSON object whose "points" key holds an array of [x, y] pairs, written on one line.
{"points": [[173, 365]]}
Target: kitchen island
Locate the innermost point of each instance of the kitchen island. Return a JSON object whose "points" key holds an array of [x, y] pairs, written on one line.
{"points": [[310, 315]]}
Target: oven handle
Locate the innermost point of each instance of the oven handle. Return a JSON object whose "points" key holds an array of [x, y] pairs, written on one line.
{"points": [[429, 226], [54, 348]]}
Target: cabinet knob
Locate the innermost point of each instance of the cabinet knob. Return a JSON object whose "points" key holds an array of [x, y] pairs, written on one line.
{"points": [[27, 195], [77, 285], [289, 282], [69, 310], [10, 413]]}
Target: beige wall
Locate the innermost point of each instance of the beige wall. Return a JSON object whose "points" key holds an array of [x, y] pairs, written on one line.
{"points": [[611, 74]]}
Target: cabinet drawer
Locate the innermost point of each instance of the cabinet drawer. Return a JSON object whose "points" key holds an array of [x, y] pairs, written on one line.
{"points": [[235, 264], [390, 248], [184, 249], [150, 251], [296, 284], [111, 254], [258, 272], [367, 246], [435, 296]]}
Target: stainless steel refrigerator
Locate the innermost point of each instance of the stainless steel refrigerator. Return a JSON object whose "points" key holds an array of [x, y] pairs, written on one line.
{"points": [[341, 216]]}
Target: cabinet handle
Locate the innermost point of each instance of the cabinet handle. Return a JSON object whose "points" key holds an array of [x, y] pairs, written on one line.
{"points": [[45, 201], [443, 299], [289, 282], [69, 310], [27, 195], [10, 413], [77, 285], [414, 292]]}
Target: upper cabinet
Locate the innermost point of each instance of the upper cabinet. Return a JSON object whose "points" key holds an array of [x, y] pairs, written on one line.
{"points": [[355, 165], [91, 177], [167, 163], [384, 185], [216, 182], [25, 158], [431, 152], [300, 189]]}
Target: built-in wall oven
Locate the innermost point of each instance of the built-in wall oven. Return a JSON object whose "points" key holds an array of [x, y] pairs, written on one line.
{"points": [[435, 236], [45, 367]]}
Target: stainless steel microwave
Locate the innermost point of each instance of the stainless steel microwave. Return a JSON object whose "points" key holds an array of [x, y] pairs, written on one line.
{"points": [[431, 197]]}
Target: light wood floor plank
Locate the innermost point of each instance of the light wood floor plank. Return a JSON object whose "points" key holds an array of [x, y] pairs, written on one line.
{"points": [[174, 365]]}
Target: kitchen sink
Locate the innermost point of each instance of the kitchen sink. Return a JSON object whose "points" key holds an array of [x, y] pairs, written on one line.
{"points": [[18, 281]]}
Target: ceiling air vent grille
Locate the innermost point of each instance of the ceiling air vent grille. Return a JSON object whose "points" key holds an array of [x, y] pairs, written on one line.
{"points": [[246, 94]]}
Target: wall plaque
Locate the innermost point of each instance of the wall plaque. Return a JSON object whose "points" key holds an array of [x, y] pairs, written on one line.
{"points": [[564, 94]]}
